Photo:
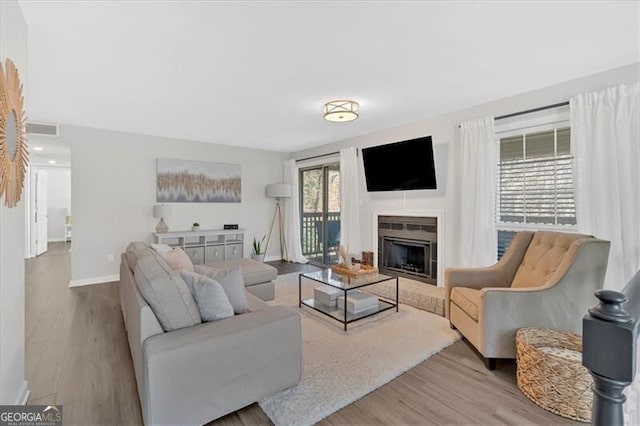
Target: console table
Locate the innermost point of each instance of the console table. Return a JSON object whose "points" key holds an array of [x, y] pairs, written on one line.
{"points": [[206, 245]]}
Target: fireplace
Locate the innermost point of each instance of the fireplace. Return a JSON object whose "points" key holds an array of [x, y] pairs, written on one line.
{"points": [[408, 246], [406, 256]]}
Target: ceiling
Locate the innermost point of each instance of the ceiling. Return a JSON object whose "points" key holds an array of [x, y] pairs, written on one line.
{"points": [[256, 74], [53, 149]]}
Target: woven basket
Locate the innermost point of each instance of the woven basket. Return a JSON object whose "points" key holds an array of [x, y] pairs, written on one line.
{"points": [[550, 372]]}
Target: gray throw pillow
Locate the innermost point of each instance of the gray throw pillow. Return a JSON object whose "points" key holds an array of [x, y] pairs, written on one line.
{"points": [[232, 282], [166, 293], [209, 295]]}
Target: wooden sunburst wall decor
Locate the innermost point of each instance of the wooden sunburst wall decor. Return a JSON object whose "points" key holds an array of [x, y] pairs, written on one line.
{"points": [[14, 153]]}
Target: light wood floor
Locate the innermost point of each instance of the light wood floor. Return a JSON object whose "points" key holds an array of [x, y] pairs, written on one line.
{"points": [[78, 356]]}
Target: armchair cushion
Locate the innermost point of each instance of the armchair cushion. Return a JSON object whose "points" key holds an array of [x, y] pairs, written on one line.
{"points": [[542, 258], [467, 299]]}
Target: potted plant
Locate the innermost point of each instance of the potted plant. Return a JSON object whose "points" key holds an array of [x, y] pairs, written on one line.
{"points": [[256, 249], [195, 227]]}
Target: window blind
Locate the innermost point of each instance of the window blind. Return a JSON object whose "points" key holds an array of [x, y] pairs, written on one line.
{"points": [[536, 179], [504, 239]]}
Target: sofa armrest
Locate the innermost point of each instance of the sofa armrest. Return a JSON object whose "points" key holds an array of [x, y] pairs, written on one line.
{"points": [[499, 275], [199, 373], [504, 310], [477, 278]]}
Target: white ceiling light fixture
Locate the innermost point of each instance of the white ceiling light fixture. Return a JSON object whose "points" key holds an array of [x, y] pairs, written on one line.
{"points": [[341, 111], [37, 148], [52, 161]]}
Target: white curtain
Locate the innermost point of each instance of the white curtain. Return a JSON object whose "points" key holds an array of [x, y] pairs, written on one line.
{"points": [[605, 138], [291, 207], [479, 161], [349, 201]]}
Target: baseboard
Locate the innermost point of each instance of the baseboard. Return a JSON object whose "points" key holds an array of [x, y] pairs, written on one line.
{"points": [[55, 240], [94, 280], [23, 395]]}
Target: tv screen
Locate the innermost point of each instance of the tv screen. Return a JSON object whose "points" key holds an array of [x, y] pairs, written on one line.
{"points": [[400, 166]]}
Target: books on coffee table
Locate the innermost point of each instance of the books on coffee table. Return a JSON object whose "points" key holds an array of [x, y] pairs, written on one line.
{"points": [[328, 296], [358, 302]]}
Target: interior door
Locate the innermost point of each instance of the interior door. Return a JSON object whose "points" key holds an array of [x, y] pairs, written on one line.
{"points": [[41, 212], [320, 213]]}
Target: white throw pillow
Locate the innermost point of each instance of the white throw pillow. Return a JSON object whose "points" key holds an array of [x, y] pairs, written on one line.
{"points": [[232, 282], [177, 259], [159, 248], [209, 295]]}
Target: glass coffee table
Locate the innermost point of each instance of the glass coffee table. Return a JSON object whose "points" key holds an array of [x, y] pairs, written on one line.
{"points": [[345, 284]]}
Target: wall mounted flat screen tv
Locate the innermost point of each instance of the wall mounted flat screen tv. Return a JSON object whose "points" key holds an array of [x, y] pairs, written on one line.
{"points": [[400, 166]]}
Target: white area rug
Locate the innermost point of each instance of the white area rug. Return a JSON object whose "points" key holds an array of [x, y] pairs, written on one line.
{"points": [[340, 367]]}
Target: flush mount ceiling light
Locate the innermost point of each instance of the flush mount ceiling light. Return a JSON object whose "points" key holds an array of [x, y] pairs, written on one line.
{"points": [[341, 111]]}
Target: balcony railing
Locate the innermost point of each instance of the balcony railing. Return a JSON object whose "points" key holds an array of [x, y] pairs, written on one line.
{"points": [[313, 239]]}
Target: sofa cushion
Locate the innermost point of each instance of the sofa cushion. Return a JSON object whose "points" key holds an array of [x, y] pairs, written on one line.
{"points": [[255, 303], [232, 283], [135, 251], [177, 259], [253, 272], [209, 295], [542, 258], [467, 299], [166, 293]]}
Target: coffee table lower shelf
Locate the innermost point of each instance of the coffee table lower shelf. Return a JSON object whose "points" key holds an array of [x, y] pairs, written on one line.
{"points": [[338, 314], [342, 315]]}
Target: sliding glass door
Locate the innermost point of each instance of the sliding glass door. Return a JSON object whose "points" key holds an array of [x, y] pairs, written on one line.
{"points": [[320, 213]]}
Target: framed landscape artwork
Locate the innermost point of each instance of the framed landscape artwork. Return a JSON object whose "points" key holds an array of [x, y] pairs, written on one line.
{"points": [[183, 181]]}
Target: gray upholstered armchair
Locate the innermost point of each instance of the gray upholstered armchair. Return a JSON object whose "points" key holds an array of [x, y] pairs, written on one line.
{"points": [[545, 279]]}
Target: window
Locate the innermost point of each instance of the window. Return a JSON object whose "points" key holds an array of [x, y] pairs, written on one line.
{"points": [[535, 180]]}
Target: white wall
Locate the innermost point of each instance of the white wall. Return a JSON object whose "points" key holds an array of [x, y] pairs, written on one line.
{"points": [[58, 202], [113, 190], [13, 387], [444, 129]]}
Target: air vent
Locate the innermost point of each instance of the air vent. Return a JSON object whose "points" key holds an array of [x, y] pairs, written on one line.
{"points": [[43, 129]]}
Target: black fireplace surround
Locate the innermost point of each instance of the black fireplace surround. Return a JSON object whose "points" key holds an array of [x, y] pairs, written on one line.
{"points": [[408, 246]]}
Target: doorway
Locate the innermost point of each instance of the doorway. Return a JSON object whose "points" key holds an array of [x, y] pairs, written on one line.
{"points": [[320, 213], [49, 197]]}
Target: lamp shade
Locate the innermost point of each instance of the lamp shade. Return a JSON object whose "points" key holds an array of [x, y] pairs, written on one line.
{"points": [[161, 211], [278, 190]]}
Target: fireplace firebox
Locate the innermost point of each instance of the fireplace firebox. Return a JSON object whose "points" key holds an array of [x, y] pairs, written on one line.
{"points": [[407, 246]]}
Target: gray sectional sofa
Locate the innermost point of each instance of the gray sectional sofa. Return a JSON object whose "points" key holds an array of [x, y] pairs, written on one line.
{"points": [[258, 277], [203, 371]]}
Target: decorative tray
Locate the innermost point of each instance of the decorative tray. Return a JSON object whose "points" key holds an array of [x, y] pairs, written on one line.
{"points": [[354, 273]]}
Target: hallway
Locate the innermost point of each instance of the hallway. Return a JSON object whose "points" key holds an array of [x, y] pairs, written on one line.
{"points": [[76, 349]]}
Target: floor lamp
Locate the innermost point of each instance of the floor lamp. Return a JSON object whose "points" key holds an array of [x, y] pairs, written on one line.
{"points": [[278, 191]]}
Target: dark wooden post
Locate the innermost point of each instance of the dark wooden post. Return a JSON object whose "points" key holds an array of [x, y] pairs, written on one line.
{"points": [[610, 332]]}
